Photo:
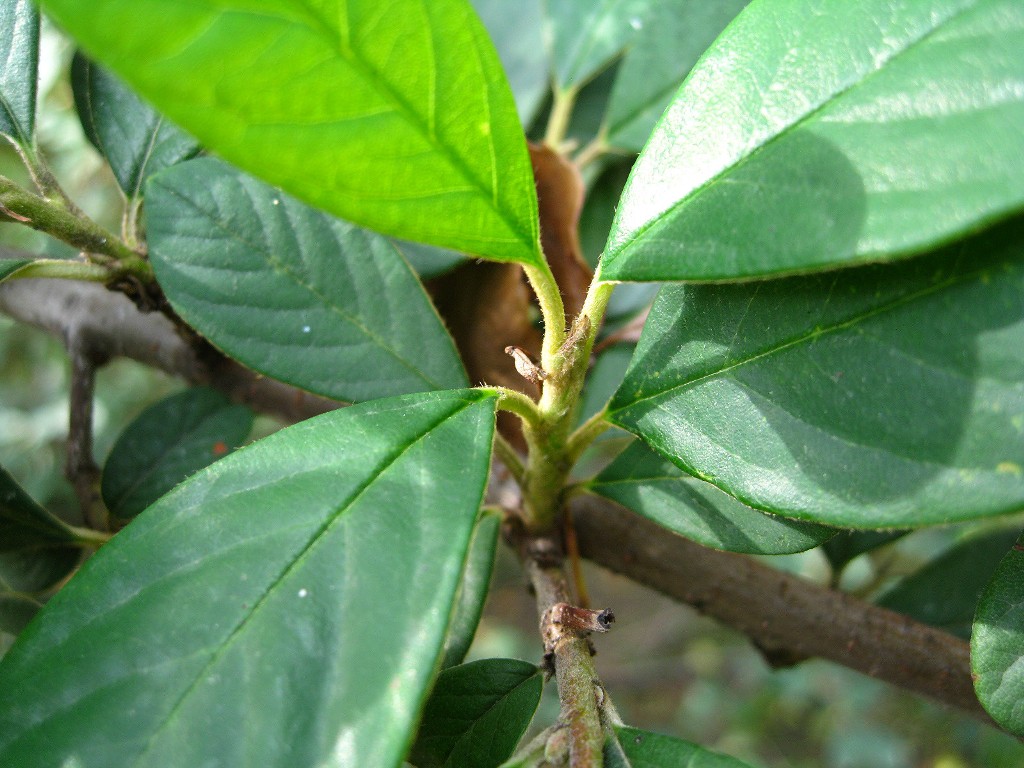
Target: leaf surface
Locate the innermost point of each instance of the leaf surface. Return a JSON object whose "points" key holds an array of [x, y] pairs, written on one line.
{"points": [[135, 139], [643, 749], [168, 442], [944, 592], [393, 115], [477, 713], [292, 292], [297, 591], [997, 643], [517, 30], [19, 69], [652, 486], [9, 266], [476, 580], [662, 54], [880, 397], [806, 139]]}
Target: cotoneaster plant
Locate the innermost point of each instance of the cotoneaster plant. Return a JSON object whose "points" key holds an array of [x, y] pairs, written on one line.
{"points": [[829, 194]]}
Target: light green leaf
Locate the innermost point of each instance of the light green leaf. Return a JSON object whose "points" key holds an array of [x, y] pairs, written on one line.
{"points": [[9, 266], [284, 607], [643, 749], [393, 115], [477, 713], [291, 291], [476, 580], [997, 643], [643, 481], [887, 396], [806, 139], [585, 35], [662, 54], [944, 593], [19, 69], [517, 31], [168, 442], [135, 139]]}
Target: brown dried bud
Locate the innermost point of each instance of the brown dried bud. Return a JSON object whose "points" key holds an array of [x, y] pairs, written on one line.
{"points": [[563, 621], [528, 369]]}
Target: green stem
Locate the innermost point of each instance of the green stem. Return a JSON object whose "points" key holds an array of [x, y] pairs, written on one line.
{"points": [[561, 114], [509, 457], [64, 269], [592, 151], [516, 402], [72, 227], [586, 433], [552, 310], [90, 538]]}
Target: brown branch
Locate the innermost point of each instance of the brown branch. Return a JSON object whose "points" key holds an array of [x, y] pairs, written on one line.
{"points": [[787, 618], [80, 467]]}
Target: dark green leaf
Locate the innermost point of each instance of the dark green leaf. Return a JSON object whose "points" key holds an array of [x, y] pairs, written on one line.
{"points": [[477, 713], [292, 292], [517, 31], [135, 139], [396, 116], [945, 592], [997, 643], [643, 481], [283, 607], [16, 611], [807, 139], [9, 266], [880, 397], [847, 545], [586, 35], [664, 51], [36, 548], [476, 580], [19, 66], [604, 378], [168, 442], [653, 750]]}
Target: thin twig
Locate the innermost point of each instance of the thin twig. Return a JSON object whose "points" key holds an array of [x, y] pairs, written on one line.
{"points": [[81, 469]]}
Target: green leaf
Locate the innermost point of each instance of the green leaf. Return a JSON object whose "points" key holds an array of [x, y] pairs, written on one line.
{"points": [[476, 580], [477, 713], [135, 139], [644, 482], [643, 749], [997, 643], [19, 54], [661, 56], [37, 549], [880, 397], [584, 36], [806, 139], [517, 31], [944, 593], [284, 607], [9, 266], [427, 260], [848, 545], [396, 116], [168, 442], [291, 291]]}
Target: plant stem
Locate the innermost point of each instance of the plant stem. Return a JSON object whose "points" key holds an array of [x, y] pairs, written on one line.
{"points": [[514, 401], [89, 538], [561, 113], [552, 310], [64, 269], [592, 151], [586, 433], [72, 227], [509, 457]]}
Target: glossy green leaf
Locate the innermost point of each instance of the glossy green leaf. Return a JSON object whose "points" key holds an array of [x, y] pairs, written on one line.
{"points": [[477, 713], [476, 580], [19, 65], [585, 35], [168, 442], [641, 480], [806, 139], [135, 139], [643, 749], [664, 51], [517, 30], [393, 115], [284, 607], [944, 593], [997, 643], [882, 397], [9, 266], [291, 291]]}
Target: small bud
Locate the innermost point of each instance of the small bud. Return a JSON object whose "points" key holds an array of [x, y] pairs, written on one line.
{"points": [[528, 369]]}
